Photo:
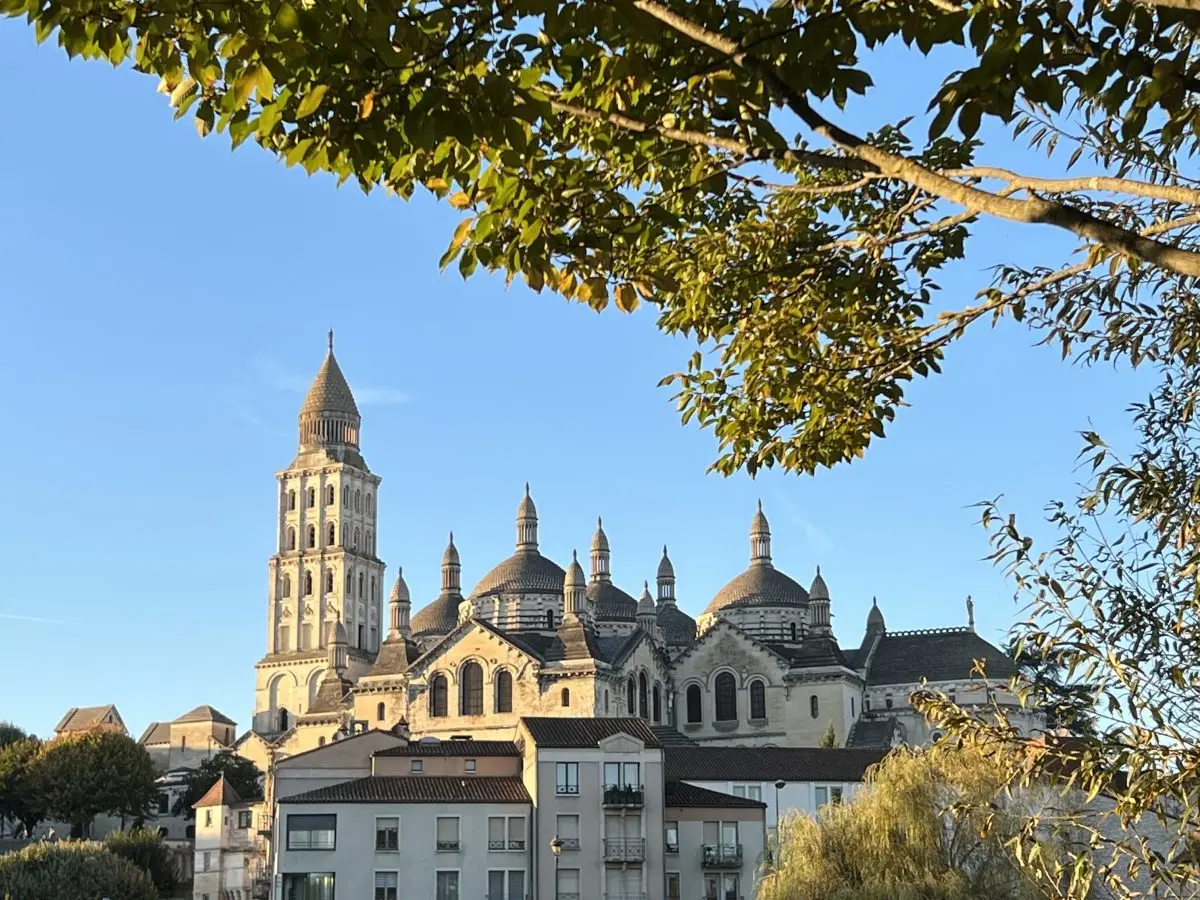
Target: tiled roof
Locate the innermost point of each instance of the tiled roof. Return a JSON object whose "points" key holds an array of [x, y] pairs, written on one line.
{"points": [[156, 733], [682, 794], [872, 733], [768, 763], [815, 650], [394, 657], [206, 713], [573, 641], [453, 748], [669, 737], [760, 585], [419, 789], [81, 718], [526, 570], [942, 654], [329, 391], [610, 603], [439, 617], [220, 794], [678, 628], [551, 732]]}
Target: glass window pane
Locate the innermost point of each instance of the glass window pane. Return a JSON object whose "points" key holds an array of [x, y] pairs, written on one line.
{"points": [[612, 773], [633, 775], [495, 832]]}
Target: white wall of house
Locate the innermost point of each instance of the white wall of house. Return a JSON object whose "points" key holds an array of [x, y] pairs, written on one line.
{"points": [[355, 862], [794, 797]]}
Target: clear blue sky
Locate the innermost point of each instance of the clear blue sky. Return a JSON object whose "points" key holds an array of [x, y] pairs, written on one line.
{"points": [[165, 302]]}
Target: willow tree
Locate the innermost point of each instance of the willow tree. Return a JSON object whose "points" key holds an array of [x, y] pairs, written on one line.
{"points": [[694, 154], [904, 836]]}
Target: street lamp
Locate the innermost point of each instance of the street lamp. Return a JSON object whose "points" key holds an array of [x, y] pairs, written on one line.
{"points": [[778, 785], [556, 846]]}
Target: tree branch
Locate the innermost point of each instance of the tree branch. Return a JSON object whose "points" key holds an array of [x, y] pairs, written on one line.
{"points": [[1033, 210], [1102, 183]]}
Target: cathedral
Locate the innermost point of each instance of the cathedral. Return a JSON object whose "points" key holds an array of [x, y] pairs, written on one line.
{"points": [[760, 666]]}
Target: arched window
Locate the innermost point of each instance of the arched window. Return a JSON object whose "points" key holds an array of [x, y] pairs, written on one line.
{"points": [[471, 702], [287, 585], [503, 691], [329, 581], [345, 535], [349, 582], [606, 701], [379, 711], [372, 587], [369, 546], [357, 538], [368, 503], [183, 742], [793, 632], [307, 584], [312, 497], [643, 696], [694, 704], [321, 741], [330, 535], [657, 704], [283, 720], [346, 496], [814, 706], [550, 620], [291, 538], [312, 536], [758, 700], [566, 696], [291, 500], [438, 692], [852, 707], [726, 697], [358, 501], [631, 697], [330, 496], [361, 581]]}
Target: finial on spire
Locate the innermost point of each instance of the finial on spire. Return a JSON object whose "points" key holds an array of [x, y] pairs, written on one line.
{"points": [[599, 521], [527, 489], [330, 340], [646, 585], [664, 549], [759, 499], [818, 569], [875, 602], [575, 556], [451, 537]]}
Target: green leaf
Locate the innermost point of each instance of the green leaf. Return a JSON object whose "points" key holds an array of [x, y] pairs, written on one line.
{"points": [[311, 100]]}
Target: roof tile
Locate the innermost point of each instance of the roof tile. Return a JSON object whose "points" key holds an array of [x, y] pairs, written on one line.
{"points": [[553, 732], [769, 763], [419, 789]]}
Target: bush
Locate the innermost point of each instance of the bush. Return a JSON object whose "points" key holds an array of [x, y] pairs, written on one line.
{"points": [[72, 871], [146, 850]]}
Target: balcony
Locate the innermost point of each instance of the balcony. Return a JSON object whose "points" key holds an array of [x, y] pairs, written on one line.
{"points": [[455, 846], [626, 797], [570, 843], [506, 845], [624, 849], [722, 856]]}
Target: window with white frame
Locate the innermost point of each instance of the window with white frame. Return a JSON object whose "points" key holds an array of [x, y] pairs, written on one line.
{"points": [[387, 885], [447, 885], [447, 834], [312, 832], [566, 778], [387, 834], [749, 791], [506, 832], [721, 887], [567, 830], [827, 793], [506, 884], [307, 886], [672, 886], [623, 774], [671, 836], [568, 884]]}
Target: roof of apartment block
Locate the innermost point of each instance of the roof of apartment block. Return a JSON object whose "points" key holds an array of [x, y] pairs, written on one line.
{"points": [[419, 789]]}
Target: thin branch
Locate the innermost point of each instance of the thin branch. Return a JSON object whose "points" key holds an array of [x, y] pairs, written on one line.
{"points": [[1102, 183]]}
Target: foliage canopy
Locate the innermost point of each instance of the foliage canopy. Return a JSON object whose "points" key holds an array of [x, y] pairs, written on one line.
{"points": [[242, 774], [691, 154], [71, 871], [92, 772]]}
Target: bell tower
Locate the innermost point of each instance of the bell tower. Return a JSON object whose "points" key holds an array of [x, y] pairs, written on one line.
{"points": [[324, 570]]}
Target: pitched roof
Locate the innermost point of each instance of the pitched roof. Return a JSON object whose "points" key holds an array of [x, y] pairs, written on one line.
{"points": [[938, 654], [669, 737], [768, 763], [206, 713], [553, 732], [419, 789], [220, 794], [682, 794], [156, 733], [81, 718], [453, 748], [872, 733]]}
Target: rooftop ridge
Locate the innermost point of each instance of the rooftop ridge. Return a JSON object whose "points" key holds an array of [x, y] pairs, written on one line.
{"points": [[957, 629]]}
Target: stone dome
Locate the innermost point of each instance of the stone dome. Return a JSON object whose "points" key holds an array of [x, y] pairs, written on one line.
{"points": [[439, 617], [678, 628], [611, 604], [665, 569], [524, 572], [760, 586]]}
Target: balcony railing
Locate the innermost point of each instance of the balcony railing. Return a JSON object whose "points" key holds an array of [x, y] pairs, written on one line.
{"points": [[624, 795], [722, 856], [449, 846], [562, 896], [506, 845], [672, 846], [625, 849], [625, 896], [570, 843]]}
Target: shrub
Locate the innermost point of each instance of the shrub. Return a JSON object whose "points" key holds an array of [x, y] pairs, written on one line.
{"points": [[146, 850], [72, 871]]}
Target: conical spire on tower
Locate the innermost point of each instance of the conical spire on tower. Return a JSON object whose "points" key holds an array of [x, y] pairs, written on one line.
{"points": [[666, 579], [647, 613], [818, 604], [399, 608], [601, 557], [574, 589], [451, 569], [527, 539], [875, 618], [329, 416], [760, 539], [337, 648]]}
